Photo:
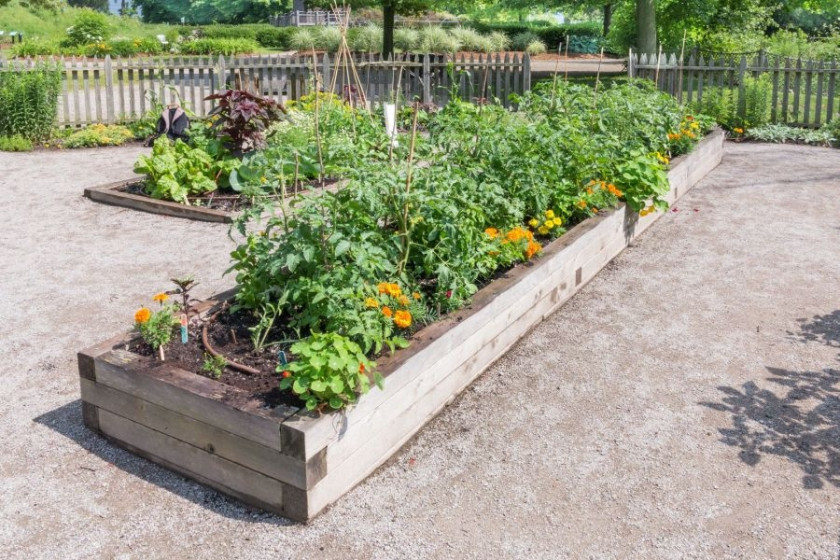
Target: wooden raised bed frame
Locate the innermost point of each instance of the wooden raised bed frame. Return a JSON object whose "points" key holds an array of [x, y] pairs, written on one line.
{"points": [[296, 463], [112, 193]]}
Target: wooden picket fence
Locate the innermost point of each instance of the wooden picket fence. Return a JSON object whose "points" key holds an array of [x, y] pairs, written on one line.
{"points": [[801, 92], [113, 90]]}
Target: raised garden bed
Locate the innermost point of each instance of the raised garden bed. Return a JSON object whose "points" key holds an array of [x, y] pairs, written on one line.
{"points": [[295, 463]]}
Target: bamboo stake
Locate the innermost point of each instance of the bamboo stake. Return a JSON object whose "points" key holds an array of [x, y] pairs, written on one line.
{"points": [[556, 69], [567, 61], [658, 59], [597, 81], [680, 78]]}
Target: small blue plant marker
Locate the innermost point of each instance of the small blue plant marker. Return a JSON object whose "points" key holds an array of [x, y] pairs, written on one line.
{"points": [[184, 333], [282, 356]]}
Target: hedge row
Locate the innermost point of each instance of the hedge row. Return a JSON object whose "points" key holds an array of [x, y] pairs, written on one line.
{"points": [[551, 35]]}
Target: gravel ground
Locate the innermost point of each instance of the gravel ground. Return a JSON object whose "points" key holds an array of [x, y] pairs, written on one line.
{"points": [[686, 404]]}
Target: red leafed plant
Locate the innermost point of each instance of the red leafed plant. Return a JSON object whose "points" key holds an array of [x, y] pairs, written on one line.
{"points": [[241, 118]]}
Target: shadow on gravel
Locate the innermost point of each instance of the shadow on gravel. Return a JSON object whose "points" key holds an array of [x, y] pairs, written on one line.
{"points": [[67, 421], [799, 421]]}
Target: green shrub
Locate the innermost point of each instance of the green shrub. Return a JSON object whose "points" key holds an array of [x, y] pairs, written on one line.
{"points": [[535, 48], [29, 101], [499, 41], [89, 27], [275, 37], [98, 135], [434, 39], [302, 39], [406, 39], [36, 47], [365, 39], [16, 143], [521, 40], [226, 47], [470, 40], [327, 38], [754, 109]]}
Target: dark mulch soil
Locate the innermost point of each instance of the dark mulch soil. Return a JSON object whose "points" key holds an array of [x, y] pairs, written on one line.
{"points": [[228, 335], [226, 202]]}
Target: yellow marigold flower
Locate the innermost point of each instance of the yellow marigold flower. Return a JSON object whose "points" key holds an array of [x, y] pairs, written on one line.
{"points": [[534, 223], [549, 214], [558, 222], [402, 319], [394, 290], [737, 130], [142, 315], [387, 311], [694, 126], [492, 232], [403, 300], [548, 224], [543, 231], [161, 297], [416, 295], [263, 179], [371, 302]]}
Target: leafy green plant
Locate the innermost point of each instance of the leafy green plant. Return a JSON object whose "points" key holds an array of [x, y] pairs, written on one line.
{"points": [[214, 366], [226, 47], [781, 134], [156, 327], [15, 143], [175, 171], [98, 135], [89, 27], [29, 100], [520, 41], [328, 370]]}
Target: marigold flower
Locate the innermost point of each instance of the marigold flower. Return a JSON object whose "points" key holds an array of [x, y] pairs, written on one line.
{"points": [[549, 214], [402, 319], [416, 295], [387, 312], [589, 192], [738, 130], [161, 297], [394, 290], [361, 367], [582, 203], [382, 287], [532, 249], [492, 232], [403, 300], [534, 223], [543, 231], [558, 222], [371, 302], [142, 315]]}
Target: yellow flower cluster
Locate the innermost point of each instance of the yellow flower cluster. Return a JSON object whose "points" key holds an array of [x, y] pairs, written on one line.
{"points": [[738, 130], [662, 159], [646, 211], [551, 221], [392, 290]]}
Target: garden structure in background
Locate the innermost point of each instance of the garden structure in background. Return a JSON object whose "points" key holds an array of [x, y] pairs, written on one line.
{"points": [[369, 283]]}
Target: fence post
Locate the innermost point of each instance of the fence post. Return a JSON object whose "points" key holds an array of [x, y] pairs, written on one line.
{"points": [[221, 77], [326, 79], [427, 79], [109, 90], [742, 99], [526, 69]]}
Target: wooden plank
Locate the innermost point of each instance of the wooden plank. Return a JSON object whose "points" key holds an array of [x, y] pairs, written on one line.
{"points": [[774, 99], [66, 92], [818, 117], [110, 194], [809, 79], [797, 84], [234, 448], [245, 484], [204, 399], [786, 91]]}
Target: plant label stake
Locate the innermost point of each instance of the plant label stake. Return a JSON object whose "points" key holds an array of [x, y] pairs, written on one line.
{"points": [[281, 355], [184, 333]]}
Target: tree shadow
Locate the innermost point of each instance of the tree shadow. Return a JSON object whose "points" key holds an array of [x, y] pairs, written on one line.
{"points": [[822, 328], [800, 421], [67, 421]]}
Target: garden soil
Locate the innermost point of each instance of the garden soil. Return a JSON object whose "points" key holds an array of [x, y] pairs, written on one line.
{"points": [[685, 404]]}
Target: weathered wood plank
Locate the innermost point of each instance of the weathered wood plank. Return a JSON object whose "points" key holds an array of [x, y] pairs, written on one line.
{"points": [[232, 447], [231, 478]]}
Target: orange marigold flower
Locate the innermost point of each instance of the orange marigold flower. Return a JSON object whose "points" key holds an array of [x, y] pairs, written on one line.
{"points": [[532, 249], [371, 302], [582, 203], [142, 315], [492, 232], [393, 290], [416, 295], [161, 297], [382, 287], [402, 319], [387, 312], [589, 192]]}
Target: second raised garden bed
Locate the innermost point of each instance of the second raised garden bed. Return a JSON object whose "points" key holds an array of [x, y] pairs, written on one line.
{"points": [[295, 463]]}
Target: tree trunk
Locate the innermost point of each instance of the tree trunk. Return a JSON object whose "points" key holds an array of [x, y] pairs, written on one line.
{"points": [[608, 9], [388, 13], [646, 26]]}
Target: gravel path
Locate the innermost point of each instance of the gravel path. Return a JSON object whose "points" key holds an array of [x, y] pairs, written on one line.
{"points": [[686, 404]]}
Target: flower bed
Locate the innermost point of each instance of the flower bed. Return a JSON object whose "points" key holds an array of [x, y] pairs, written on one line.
{"points": [[296, 462]]}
